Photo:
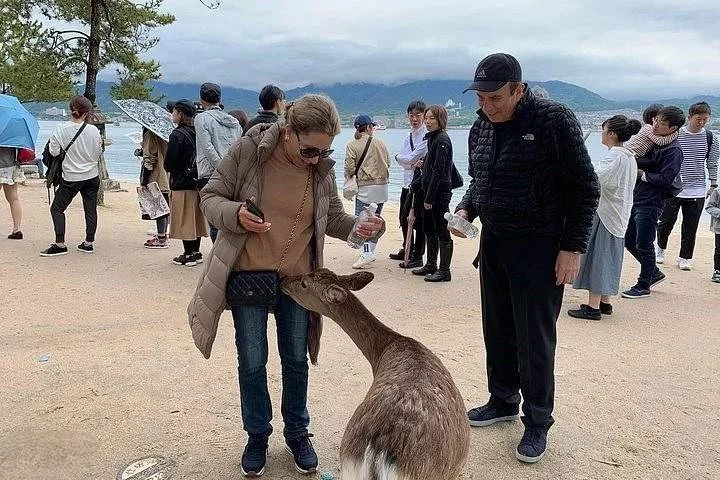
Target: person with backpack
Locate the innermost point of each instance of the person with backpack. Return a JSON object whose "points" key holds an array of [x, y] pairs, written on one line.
{"points": [[700, 151], [74, 151], [657, 177], [187, 222]]}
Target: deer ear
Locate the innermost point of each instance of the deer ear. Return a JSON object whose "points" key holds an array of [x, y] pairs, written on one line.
{"points": [[356, 281], [335, 294]]}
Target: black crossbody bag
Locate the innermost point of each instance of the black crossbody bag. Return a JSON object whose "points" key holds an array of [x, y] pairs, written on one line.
{"points": [[262, 287]]}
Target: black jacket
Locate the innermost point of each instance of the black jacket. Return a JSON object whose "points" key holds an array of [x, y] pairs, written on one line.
{"points": [[264, 116], [437, 171], [540, 183], [180, 159], [661, 167]]}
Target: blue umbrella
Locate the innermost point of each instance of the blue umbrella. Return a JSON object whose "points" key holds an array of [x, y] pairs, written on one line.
{"points": [[18, 128]]}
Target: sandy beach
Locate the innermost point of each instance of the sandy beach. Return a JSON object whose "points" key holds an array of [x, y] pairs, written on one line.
{"points": [[98, 367]]}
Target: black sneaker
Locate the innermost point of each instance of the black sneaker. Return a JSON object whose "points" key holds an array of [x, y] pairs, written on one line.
{"points": [[412, 263], [398, 256], [54, 251], [491, 413], [198, 257], [15, 236], [533, 445], [606, 308], [659, 277], [254, 456], [186, 259], [636, 292], [86, 248], [586, 312], [302, 451]]}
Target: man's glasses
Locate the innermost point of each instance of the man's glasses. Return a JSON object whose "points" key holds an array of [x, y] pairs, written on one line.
{"points": [[312, 152]]}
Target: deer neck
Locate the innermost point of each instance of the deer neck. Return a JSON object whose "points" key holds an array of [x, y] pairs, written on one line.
{"points": [[370, 335]]}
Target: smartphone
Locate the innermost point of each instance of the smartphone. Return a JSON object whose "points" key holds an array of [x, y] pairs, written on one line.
{"points": [[254, 209]]}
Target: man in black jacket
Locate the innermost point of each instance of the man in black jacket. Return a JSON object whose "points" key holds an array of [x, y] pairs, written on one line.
{"points": [[657, 172], [272, 101], [535, 191]]}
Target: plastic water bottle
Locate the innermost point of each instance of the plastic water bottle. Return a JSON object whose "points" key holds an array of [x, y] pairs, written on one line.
{"points": [[355, 240], [460, 224]]}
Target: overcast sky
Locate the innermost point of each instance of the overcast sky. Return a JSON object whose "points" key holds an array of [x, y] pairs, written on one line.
{"points": [[618, 48]]}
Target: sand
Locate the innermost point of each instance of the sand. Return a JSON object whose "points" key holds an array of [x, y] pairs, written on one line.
{"points": [[98, 367]]}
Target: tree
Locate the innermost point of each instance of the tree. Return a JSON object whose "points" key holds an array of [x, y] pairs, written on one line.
{"points": [[133, 82]]}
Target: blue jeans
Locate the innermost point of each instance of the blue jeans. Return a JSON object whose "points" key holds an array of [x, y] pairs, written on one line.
{"points": [[251, 341], [639, 241], [360, 206]]}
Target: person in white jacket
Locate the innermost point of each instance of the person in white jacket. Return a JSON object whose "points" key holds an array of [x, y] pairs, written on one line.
{"points": [[410, 158], [215, 132], [601, 265]]}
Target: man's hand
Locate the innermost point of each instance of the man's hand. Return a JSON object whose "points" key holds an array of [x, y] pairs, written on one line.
{"points": [[370, 227], [710, 190], [566, 267], [458, 233], [640, 174], [427, 206], [250, 222]]}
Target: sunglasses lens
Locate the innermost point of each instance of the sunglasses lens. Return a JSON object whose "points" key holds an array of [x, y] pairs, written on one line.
{"points": [[310, 152]]}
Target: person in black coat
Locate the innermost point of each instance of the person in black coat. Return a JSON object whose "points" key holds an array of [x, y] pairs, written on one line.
{"points": [[272, 101], [535, 191], [438, 172], [187, 222]]}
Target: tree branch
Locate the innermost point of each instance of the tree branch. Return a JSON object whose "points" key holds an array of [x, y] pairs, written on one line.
{"points": [[211, 4], [62, 32], [106, 9]]}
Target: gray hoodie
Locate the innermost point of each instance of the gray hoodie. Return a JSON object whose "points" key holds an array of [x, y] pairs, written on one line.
{"points": [[215, 132]]}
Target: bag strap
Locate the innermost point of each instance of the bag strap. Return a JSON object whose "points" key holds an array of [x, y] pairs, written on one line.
{"points": [[362, 156], [82, 127], [296, 222], [709, 135], [412, 147]]}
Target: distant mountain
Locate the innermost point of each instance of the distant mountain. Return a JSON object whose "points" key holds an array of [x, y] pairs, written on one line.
{"points": [[378, 99]]}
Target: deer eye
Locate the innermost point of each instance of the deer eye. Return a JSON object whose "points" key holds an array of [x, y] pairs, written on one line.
{"points": [[303, 283]]}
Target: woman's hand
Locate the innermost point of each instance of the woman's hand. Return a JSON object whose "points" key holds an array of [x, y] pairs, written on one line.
{"points": [[250, 222], [427, 206], [418, 164]]}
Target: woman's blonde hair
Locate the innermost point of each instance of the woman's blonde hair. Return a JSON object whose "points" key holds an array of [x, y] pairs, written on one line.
{"points": [[313, 113]]}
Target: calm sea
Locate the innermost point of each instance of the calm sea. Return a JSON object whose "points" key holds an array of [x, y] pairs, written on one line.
{"points": [[123, 165]]}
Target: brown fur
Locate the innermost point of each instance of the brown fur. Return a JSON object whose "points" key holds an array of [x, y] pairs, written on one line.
{"points": [[413, 412]]}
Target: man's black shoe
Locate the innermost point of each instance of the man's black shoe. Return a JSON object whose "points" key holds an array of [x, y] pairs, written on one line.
{"points": [[412, 263], [586, 312], [659, 277], [254, 456], [491, 413], [303, 453], [398, 256], [533, 445]]}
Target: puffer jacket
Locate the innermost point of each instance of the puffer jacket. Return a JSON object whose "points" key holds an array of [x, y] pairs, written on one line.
{"points": [[215, 131], [238, 177], [541, 183], [375, 168]]}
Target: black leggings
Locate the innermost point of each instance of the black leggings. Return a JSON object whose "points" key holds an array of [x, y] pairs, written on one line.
{"points": [[64, 195], [192, 246], [717, 251], [434, 222]]}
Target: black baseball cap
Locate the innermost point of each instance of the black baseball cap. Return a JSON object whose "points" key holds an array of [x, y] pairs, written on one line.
{"points": [[494, 71], [185, 106], [210, 92]]}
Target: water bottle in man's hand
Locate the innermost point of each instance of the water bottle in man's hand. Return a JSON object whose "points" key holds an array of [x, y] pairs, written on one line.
{"points": [[355, 240], [461, 225]]}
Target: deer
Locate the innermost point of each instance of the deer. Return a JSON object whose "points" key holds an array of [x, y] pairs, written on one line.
{"points": [[412, 423]]}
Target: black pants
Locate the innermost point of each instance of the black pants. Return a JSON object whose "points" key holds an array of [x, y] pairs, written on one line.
{"points": [[692, 209], [520, 307], [64, 195], [717, 251], [434, 222]]}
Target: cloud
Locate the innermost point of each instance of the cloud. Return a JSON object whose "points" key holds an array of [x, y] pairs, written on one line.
{"points": [[616, 48]]}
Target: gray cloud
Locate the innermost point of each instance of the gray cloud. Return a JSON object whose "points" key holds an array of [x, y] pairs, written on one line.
{"points": [[618, 50]]}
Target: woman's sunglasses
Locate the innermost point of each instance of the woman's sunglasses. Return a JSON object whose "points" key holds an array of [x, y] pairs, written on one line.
{"points": [[312, 152]]}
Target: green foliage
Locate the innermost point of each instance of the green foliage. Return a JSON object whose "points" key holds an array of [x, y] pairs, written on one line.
{"points": [[134, 82]]}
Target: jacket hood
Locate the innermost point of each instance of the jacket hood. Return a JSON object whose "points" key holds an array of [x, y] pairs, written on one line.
{"points": [[222, 118]]}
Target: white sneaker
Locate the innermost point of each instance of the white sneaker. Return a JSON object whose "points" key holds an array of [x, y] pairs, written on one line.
{"points": [[684, 264], [659, 255], [363, 260]]}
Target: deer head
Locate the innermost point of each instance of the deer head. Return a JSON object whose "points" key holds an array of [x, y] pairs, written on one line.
{"points": [[322, 291]]}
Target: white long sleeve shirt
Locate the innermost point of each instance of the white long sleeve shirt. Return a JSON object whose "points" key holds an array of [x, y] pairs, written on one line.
{"points": [[617, 173], [696, 159], [409, 155], [81, 160]]}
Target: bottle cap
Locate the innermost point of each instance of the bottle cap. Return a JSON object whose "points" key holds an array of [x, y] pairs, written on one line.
{"points": [[373, 207], [448, 216]]}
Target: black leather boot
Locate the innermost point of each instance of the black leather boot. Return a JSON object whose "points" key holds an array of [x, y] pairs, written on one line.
{"points": [[431, 262], [443, 273]]}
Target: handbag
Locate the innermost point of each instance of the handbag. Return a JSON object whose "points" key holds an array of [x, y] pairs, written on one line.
{"points": [[351, 188], [262, 287]]}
